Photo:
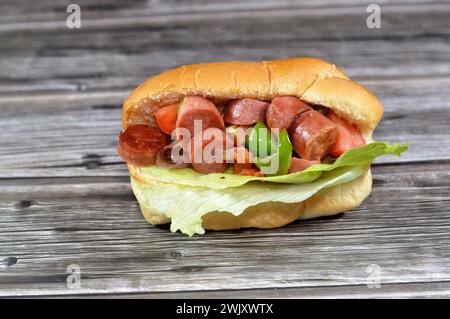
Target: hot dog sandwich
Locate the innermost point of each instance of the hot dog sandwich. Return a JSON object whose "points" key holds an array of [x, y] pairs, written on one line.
{"points": [[232, 145]]}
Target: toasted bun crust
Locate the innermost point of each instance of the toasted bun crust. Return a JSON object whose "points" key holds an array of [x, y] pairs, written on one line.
{"points": [[274, 214], [312, 80]]}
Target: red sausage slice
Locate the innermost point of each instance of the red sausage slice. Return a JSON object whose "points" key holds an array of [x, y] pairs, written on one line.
{"points": [[139, 144], [245, 111], [300, 164], [349, 137], [172, 156], [313, 135], [196, 108], [208, 151], [283, 110]]}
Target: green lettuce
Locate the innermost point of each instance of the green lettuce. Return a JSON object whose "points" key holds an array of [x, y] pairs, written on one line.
{"points": [[186, 205], [189, 177]]}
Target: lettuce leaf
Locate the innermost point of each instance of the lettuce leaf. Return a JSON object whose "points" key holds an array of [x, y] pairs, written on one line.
{"points": [[185, 206], [189, 177]]}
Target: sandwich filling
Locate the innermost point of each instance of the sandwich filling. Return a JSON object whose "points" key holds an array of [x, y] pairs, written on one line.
{"points": [[255, 138]]}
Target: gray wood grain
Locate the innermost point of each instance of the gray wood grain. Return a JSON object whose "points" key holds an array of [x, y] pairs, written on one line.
{"points": [[22, 12], [119, 53], [46, 226], [407, 290]]}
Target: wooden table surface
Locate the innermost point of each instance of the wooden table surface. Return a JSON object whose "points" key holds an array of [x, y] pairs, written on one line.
{"points": [[65, 197]]}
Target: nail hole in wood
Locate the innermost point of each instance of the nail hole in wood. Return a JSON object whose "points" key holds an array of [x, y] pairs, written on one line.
{"points": [[24, 204], [10, 261], [91, 161]]}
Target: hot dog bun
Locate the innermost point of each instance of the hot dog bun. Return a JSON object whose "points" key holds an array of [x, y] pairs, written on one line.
{"points": [[312, 80]]}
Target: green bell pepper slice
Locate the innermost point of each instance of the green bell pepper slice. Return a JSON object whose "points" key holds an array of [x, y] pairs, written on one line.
{"points": [[279, 159], [260, 141]]}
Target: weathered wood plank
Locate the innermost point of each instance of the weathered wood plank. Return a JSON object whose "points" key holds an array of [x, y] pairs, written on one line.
{"points": [[22, 11], [76, 134], [405, 290], [47, 225], [104, 55]]}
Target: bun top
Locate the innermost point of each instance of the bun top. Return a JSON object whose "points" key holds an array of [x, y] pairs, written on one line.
{"points": [[312, 80]]}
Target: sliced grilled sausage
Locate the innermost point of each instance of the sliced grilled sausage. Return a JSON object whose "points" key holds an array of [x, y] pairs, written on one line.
{"points": [[300, 164], [173, 156], [139, 144], [245, 111], [196, 108], [283, 110], [313, 135], [208, 151]]}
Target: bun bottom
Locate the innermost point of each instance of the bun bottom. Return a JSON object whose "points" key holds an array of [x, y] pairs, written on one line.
{"points": [[327, 202]]}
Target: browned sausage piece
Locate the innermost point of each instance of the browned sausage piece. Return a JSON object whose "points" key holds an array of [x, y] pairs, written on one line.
{"points": [[208, 151], [312, 135], [196, 108], [300, 164], [245, 111], [139, 144], [173, 156], [283, 110]]}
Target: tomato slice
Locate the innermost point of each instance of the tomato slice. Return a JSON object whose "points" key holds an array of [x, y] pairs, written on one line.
{"points": [[166, 118], [139, 144], [349, 137]]}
